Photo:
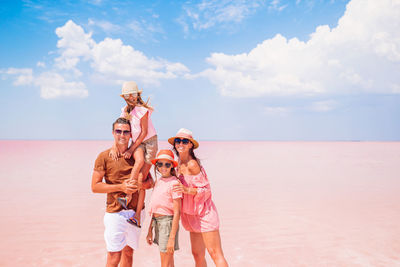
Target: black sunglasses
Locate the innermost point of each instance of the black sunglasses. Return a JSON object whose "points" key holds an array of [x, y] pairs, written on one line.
{"points": [[119, 132], [160, 164], [179, 140]]}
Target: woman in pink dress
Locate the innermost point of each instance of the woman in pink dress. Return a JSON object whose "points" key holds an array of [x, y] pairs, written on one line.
{"points": [[199, 215]]}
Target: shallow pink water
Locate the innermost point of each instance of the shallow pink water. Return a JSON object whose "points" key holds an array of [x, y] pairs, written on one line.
{"points": [[280, 203]]}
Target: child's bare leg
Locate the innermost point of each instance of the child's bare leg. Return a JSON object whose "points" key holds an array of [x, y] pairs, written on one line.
{"points": [[142, 193], [138, 155], [167, 259], [141, 197]]}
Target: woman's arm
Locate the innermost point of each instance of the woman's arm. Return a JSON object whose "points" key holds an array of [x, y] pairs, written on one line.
{"points": [[175, 225], [194, 169]]}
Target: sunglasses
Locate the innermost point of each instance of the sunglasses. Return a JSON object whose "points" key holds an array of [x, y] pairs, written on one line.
{"points": [[183, 141], [119, 132], [160, 164], [128, 96]]}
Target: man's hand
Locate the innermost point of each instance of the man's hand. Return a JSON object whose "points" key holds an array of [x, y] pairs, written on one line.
{"points": [[128, 187]]}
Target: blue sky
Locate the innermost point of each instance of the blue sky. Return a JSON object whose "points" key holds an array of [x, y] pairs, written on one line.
{"points": [[227, 70]]}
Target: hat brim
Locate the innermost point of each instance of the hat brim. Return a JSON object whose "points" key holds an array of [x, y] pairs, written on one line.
{"points": [[172, 141], [122, 95]]}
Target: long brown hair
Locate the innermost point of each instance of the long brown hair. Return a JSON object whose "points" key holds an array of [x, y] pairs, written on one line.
{"points": [[191, 153]]}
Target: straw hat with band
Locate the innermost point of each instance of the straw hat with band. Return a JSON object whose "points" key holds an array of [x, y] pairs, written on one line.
{"points": [[130, 88], [165, 154], [184, 134]]}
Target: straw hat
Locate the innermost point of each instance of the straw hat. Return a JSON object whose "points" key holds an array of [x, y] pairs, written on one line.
{"points": [[184, 133], [165, 154], [130, 88]]}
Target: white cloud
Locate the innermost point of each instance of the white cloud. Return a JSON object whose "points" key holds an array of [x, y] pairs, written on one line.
{"points": [[22, 76], [323, 106], [362, 54], [210, 13], [104, 25], [41, 64], [280, 111], [143, 30], [53, 85], [74, 44], [277, 6], [111, 58]]}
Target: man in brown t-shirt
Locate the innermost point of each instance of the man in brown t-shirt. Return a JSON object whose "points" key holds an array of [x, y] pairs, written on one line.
{"points": [[111, 177]]}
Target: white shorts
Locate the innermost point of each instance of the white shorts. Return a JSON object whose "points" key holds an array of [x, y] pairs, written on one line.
{"points": [[119, 233]]}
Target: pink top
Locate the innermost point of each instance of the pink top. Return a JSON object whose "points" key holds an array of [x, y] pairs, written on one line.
{"points": [[162, 197], [201, 202], [137, 113]]}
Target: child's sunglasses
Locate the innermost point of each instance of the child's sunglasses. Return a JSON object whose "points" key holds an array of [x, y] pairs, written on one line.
{"points": [[160, 164], [179, 140], [127, 96]]}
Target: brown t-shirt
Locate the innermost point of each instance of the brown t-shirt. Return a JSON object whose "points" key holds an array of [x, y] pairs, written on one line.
{"points": [[115, 173]]}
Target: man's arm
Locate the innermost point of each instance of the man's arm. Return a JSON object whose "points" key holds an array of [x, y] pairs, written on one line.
{"points": [[98, 186]]}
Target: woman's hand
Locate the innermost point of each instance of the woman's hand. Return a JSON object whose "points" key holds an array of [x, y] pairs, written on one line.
{"points": [[171, 245], [180, 188]]}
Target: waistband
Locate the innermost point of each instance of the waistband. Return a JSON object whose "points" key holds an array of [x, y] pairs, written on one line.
{"points": [[163, 218], [151, 139]]}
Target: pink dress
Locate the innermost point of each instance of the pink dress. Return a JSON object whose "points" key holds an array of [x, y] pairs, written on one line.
{"points": [[198, 213]]}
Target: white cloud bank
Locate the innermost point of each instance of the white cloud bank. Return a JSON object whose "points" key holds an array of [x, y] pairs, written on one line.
{"points": [[109, 59], [51, 84], [360, 55]]}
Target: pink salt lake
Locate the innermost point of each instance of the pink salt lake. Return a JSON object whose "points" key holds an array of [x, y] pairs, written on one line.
{"points": [[280, 203]]}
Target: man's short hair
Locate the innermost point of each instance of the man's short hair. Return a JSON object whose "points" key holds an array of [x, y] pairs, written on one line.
{"points": [[121, 121]]}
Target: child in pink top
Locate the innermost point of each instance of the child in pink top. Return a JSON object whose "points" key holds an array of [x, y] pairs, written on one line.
{"points": [[165, 207], [144, 143]]}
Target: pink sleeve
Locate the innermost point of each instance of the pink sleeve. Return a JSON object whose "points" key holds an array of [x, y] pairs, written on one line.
{"points": [[203, 191], [140, 111]]}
